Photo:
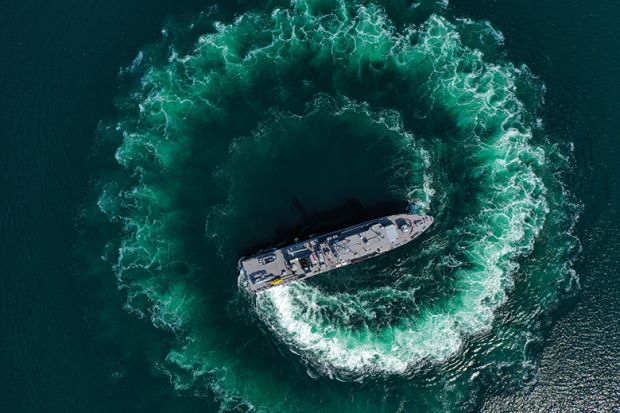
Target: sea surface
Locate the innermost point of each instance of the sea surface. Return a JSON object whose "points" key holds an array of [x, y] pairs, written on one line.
{"points": [[146, 146]]}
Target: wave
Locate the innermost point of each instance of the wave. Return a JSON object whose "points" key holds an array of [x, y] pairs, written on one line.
{"points": [[224, 122]]}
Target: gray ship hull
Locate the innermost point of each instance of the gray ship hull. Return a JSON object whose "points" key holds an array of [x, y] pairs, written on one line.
{"points": [[301, 260]]}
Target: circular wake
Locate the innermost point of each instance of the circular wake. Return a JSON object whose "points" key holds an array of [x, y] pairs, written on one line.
{"points": [[236, 135]]}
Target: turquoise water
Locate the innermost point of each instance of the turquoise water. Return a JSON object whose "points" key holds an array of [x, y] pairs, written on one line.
{"points": [[146, 154], [234, 133]]}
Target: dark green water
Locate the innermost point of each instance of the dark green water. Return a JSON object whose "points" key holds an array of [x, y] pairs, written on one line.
{"points": [[238, 127]]}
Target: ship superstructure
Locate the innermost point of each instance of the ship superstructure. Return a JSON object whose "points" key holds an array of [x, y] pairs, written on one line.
{"points": [[333, 250]]}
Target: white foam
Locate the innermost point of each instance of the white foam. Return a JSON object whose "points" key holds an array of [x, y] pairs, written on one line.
{"points": [[314, 324]]}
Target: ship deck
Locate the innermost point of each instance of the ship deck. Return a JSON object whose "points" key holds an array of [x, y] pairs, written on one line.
{"points": [[333, 250]]}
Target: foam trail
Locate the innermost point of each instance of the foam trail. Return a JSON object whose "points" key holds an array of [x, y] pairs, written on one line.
{"points": [[429, 109]]}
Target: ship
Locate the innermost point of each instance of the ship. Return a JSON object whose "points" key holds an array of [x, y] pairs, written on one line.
{"points": [[317, 255]]}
